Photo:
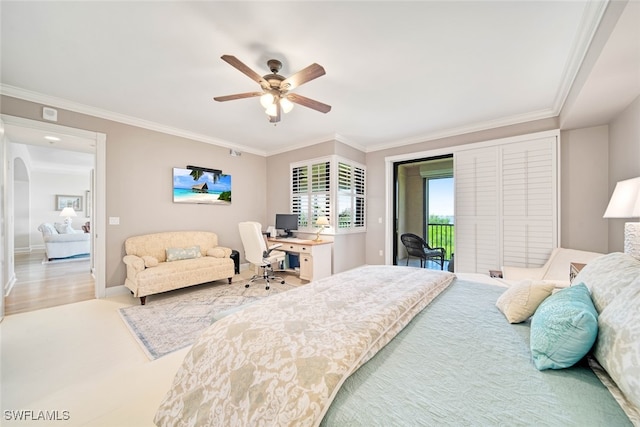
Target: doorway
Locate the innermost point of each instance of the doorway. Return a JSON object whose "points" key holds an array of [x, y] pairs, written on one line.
{"points": [[70, 142], [423, 204]]}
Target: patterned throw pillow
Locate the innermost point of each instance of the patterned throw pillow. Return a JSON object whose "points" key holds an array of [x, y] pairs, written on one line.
{"points": [[563, 328], [618, 345], [607, 276], [48, 229], [521, 300], [176, 254]]}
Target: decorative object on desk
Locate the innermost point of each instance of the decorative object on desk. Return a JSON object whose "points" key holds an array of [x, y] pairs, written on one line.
{"points": [[321, 222], [68, 212], [625, 203], [74, 202], [201, 185]]}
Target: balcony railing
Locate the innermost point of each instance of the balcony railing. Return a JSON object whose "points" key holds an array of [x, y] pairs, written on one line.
{"points": [[442, 236]]}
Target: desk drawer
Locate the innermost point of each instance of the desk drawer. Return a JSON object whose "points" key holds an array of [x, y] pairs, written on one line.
{"points": [[293, 247]]}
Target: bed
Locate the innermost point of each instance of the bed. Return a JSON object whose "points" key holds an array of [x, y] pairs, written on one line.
{"points": [[386, 345]]}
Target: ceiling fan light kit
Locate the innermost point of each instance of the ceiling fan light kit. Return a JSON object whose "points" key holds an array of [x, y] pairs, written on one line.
{"points": [[275, 96]]}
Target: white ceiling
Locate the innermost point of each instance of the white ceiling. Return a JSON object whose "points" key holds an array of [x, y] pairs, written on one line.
{"points": [[397, 72]]}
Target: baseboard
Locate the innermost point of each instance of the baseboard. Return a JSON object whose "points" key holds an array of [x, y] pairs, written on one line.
{"points": [[9, 285]]}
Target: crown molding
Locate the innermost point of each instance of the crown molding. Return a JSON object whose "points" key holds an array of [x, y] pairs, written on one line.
{"points": [[476, 127], [591, 18], [27, 95]]}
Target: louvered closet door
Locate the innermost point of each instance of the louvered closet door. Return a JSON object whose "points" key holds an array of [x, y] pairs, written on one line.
{"points": [[529, 202], [506, 205], [476, 221]]}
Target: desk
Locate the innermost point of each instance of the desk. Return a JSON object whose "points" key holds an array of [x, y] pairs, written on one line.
{"points": [[315, 257]]}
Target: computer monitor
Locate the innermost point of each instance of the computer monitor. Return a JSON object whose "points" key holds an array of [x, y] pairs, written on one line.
{"points": [[287, 223]]}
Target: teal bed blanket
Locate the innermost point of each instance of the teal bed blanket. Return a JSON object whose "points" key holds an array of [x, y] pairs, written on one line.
{"points": [[460, 363]]}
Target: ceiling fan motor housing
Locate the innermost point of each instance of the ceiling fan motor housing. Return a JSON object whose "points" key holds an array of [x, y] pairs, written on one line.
{"points": [[274, 65]]}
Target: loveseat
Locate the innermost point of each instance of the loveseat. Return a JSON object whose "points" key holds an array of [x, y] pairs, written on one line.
{"points": [[63, 241], [166, 261]]}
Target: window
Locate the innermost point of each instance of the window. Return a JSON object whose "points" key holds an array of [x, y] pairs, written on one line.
{"points": [[329, 186]]}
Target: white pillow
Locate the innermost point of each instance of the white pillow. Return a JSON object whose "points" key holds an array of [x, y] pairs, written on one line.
{"points": [[521, 300], [64, 228], [47, 229]]}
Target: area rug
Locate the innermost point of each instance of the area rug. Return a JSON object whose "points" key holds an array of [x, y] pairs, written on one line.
{"points": [[171, 321]]}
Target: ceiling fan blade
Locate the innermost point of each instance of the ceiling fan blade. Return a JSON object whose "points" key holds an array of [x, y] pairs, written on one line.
{"points": [[313, 71], [309, 103], [240, 66], [237, 96]]}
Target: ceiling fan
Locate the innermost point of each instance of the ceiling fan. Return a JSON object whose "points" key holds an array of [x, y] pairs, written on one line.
{"points": [[275, 96]]}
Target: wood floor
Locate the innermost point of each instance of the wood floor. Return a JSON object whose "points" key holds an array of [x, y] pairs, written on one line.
{"points": [[48, 285]]}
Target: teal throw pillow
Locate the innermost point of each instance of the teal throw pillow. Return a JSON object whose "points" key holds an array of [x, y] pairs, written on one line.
{"points": [[563, 328], [176, 254]]}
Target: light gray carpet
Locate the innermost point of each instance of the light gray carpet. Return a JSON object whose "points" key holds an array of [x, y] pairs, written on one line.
{"points": [[173, 320]]}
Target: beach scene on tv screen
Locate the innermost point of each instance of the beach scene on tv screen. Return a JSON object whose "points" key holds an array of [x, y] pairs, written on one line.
{"points": [[197, 186]]}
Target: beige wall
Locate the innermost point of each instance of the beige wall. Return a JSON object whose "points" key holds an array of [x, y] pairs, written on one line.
{"points": [[624, 162], [139, 183], [584, 188]]}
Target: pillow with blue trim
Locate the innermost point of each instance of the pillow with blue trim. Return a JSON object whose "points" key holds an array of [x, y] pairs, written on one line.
{"points": [[563, 328]]}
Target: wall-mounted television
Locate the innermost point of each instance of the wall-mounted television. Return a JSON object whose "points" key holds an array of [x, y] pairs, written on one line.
{"points": [[199, 186]]}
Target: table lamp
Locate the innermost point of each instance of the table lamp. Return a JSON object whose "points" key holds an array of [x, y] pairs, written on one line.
{"points": [[322, 222], [68, 212], [625, 203]]}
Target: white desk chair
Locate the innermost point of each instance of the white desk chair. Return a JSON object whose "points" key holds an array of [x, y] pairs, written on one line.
{"points": [[257, 253]]}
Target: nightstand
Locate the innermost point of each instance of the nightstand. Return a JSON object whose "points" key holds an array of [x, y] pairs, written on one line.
{"points": [[574, 269]]}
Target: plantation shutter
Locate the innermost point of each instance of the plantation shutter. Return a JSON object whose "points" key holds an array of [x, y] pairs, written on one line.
{"points": [[506, 205], [299, 193], [320, 191], [529, 202], [351, 196], [476, 209], [311, 192], [331, 187]]}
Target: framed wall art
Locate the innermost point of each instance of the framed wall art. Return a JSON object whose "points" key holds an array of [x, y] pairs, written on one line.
{"points": [[63, 201]]}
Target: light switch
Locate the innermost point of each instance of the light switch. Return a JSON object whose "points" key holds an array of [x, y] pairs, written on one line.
{"points": [[114, 220]]}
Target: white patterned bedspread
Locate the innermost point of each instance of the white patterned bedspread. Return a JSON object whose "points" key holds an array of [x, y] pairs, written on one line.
{"points": [[282, 360]]}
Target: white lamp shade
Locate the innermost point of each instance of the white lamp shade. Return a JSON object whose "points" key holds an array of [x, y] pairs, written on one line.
{"points": [[625, 201], [286, 105], [272, 110], [322, 221], [266, 100], [68, 211]]}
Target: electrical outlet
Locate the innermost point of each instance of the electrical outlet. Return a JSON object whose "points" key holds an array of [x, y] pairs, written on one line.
{"points": [[114, 220], [380, 252]]}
